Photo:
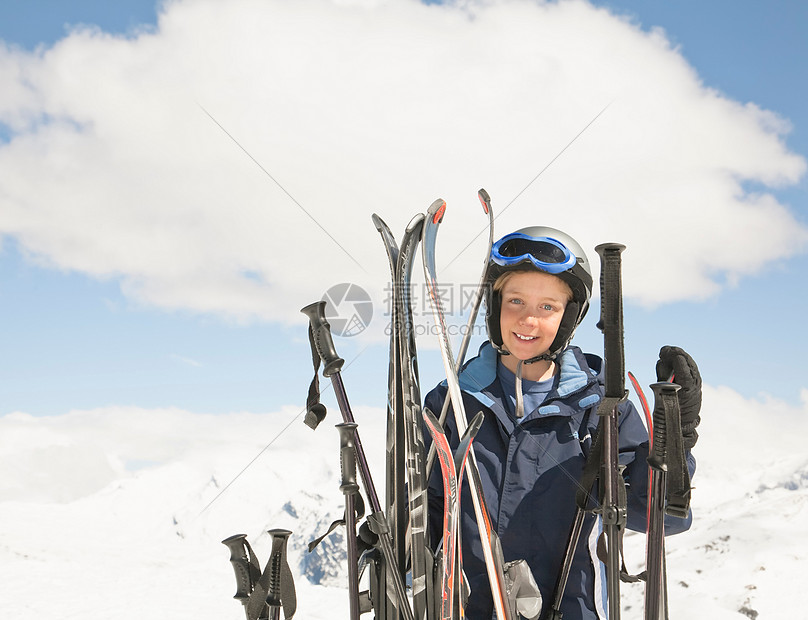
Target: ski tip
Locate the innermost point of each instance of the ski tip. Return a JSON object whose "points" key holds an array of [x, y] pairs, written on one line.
{"points": [[437, 210], [378, 222], [432, 422], [427, 414], [416, 221], [476, 423], [485, 199]]}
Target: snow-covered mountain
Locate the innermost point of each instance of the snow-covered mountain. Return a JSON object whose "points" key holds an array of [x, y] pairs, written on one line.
{"points": [[119, 513]]}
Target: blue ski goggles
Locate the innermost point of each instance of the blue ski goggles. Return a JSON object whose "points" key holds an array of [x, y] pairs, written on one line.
{"points": [[545, 253]]}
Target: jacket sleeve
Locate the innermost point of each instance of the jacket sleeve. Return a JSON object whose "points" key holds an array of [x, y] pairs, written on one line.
{"points": [[634, 455]]}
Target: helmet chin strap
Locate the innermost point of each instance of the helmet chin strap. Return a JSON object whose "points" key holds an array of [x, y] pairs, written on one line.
{"points": [[544, 357], [520, 399]]}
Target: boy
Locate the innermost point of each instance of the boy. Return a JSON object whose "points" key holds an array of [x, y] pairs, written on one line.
{"points": [[539, 396]]}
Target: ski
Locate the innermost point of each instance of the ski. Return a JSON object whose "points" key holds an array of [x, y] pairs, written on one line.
{"points": [[485, 200], [420, 558], [492, 550], [405, 444], [649, 423], [395, 462], [452, 466]]}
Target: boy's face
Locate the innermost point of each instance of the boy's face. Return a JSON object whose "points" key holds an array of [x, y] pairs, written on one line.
{"points": [[532, 307]]}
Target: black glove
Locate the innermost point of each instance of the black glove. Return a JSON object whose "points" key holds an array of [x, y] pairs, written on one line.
{"points": [[675, 361]]}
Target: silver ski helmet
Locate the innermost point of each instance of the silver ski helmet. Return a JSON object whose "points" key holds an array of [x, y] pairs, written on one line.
{"points": [[548, 250]]}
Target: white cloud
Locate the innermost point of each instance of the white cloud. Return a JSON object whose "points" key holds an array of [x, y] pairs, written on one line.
{"points": [[115, 170]]}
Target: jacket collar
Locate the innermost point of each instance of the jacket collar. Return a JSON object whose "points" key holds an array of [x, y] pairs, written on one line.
{"points": [[578, 386]]}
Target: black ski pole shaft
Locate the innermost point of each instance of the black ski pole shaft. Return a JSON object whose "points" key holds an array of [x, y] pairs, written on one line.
{"points": [[566, 567], [324, 343], [349, 487], [666, 405], [277, 560], [611, 324], [613, 518]]}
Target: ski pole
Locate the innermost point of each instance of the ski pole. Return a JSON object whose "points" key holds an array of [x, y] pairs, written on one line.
{"points": [[602, 462], [263, 595], [276, 597], [566, 565], [666, 407], [320, 332], [611, 324], [607, 412], [246, 567], [349, 487]]}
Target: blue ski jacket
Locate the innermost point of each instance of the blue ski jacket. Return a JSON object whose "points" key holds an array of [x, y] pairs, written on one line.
{"points": [[530, 472]]}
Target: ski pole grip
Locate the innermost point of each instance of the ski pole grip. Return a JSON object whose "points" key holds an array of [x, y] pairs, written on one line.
{"points": [[666, 403], [277, 558], [240, 562], [321, 334], [347, 457], [611, 316], [606, 250]]}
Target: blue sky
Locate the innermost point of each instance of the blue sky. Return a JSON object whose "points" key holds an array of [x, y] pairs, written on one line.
{"points": [[79, 339]]}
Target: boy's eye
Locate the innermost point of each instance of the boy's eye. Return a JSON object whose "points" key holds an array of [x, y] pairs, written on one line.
{"points": [[548, 307]]}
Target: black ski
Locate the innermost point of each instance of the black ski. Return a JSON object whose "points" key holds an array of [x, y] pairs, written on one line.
{"points": [[395, 449], [420, 558], [404, 434]]}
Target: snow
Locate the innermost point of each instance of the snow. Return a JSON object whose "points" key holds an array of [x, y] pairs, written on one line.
{"points": [[120, 512]]}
